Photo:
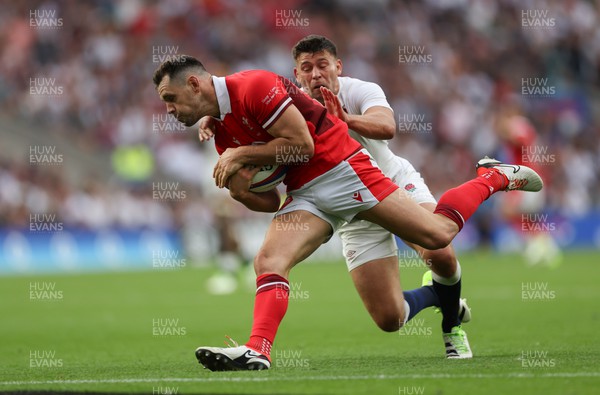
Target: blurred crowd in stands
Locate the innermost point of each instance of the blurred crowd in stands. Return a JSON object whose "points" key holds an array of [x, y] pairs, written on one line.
{"points": [[478, 57]]}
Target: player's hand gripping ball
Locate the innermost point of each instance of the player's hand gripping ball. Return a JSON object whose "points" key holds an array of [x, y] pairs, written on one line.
{"points": [[267, 178]]}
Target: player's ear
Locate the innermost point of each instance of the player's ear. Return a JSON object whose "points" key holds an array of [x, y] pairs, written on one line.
{"points": [[296, 75], [338, 66], [194, 82]]}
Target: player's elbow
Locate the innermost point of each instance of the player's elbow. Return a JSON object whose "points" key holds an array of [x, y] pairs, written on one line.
{"points": [[264, 202], [238, 196], [244, 197], [388, 131], [307, 149]]}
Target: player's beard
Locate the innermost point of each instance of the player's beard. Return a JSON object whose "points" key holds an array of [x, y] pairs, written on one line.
{"points": [[189, 120]]}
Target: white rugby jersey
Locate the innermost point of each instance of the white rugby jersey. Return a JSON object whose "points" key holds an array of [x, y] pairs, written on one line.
{"points": [[358, 96]]}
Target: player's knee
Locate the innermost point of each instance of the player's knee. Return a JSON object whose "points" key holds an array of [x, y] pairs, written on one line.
{"points": [[262, 263], [390, 322], [389, 325], [443, 261], [436, 240], [265, 262]]}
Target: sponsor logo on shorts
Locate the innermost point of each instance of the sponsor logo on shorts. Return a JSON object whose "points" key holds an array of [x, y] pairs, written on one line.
{"points": [[350, 254], [410, 187], [356, 196]]}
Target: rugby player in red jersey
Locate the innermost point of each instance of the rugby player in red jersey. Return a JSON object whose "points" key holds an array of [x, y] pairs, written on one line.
{"points": [[257, 115], [523, 211]]}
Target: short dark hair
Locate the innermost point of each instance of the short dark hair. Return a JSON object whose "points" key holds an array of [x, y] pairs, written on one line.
{"points": [[176, 66], [314, 43]]}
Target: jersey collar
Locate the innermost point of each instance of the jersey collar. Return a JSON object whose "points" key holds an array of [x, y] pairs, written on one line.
{"points": [[222, 96]]}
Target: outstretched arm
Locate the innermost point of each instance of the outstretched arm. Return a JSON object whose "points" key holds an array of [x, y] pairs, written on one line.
{"points": [[376, 123]]}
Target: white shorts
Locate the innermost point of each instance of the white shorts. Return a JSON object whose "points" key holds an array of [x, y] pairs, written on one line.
{"points": [[364, 241], [354, 185]]}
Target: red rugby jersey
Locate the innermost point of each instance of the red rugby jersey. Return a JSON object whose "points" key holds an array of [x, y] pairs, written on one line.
{"points": [[251, 101], [522, 140]]}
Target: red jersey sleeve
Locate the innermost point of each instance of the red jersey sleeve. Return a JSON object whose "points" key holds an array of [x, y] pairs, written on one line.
{"points": [[266, 97]]}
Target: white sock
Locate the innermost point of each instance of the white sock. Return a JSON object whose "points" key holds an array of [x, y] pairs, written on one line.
{"points": [[406, 312], [448, 280]]}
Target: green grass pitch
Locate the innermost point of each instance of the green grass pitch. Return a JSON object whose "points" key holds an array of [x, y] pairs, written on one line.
{"points": [[534, 331]]}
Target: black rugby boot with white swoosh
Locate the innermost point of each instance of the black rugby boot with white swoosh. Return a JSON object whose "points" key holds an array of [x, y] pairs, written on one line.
{"points": [[220, 359]]}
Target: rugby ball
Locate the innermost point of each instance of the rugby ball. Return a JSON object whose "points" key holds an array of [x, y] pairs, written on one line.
{"points": [[267, 178]]}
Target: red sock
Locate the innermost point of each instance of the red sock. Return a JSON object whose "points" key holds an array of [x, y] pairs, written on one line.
{"points": [[270, 305], [461, 202]]}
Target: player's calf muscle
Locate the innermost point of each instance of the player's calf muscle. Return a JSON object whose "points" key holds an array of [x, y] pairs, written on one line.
{"points": [[442, 261], [410, 221], [431, 232]]}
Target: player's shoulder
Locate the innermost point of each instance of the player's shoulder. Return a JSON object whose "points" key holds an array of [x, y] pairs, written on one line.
{"points": [[250, 85], [251, 75], [353, 87], [352, 83]]}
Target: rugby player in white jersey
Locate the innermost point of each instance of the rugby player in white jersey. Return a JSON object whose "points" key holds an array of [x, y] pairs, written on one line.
{"points": [[370, 251]]}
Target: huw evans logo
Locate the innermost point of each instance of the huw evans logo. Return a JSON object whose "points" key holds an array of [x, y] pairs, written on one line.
{"points": [[167, 191], [536, 359], [287, 19], [45, 19], [44, 290], [165, 53], [537, 19], [415, 327], [168, 259], [290, 222], [167, 327], [167, 124], [44, 359], [413, 54], [43, 86], [537, 87], [537, 154], [44, 155], [160, 390], [290, 359], [536, 291], [290, 155], [536, 223], [44, 223], [413, 123]]}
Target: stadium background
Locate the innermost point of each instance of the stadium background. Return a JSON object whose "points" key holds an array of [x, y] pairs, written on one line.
{"points": [[94, 174]]}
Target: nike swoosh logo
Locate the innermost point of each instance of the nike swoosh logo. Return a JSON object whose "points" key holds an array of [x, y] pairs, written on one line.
{"points": [[251, 354], [515, 168]]}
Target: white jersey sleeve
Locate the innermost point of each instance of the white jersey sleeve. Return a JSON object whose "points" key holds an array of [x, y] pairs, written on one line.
{"points": [[357, 97]]}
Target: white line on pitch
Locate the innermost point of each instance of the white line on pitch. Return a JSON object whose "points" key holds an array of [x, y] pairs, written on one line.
{"points": [[313, 378]]}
